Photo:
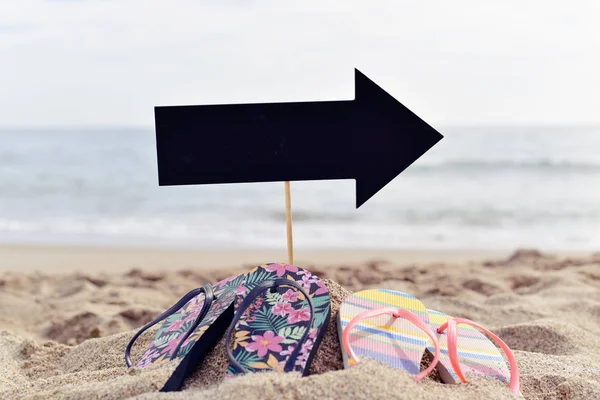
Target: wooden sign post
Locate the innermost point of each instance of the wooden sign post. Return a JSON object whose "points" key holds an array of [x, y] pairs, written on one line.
{"points": [[288, 220]]}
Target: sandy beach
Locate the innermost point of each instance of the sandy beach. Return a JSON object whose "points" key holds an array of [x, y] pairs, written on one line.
{"points": [[67, 313], [64, 259]]}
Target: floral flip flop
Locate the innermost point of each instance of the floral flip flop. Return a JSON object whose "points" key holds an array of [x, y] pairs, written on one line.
{"points": [[466, 350], [388, 326], [190, 329], [281, 314]]}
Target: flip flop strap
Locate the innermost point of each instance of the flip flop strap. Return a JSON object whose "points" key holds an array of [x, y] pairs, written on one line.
{"points": [[248, 300], [397, 313], [208, 299], [452, 325]]}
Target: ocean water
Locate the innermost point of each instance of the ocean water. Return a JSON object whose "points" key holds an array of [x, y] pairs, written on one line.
{"points": [[479, 188]]}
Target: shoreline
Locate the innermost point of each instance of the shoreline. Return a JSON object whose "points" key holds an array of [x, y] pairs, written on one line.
{"points": [[71, 258]]}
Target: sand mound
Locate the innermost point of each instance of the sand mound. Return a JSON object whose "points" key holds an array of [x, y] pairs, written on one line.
{"points": [[547, 337], [64, 336]]}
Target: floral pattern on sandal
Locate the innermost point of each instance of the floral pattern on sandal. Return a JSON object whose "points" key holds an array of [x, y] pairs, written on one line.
{"points": [[176, 326], [272, 326]]}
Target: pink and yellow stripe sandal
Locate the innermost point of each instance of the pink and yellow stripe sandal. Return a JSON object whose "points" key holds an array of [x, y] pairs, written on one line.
{"points": [[396, 328], [467, 350], [388, 326]]}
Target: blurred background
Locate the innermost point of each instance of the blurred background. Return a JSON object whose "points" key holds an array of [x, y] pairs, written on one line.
{"points": [[517, 103]]}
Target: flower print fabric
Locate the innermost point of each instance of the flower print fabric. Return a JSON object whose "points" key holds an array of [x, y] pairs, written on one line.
{"points": [[281, 269], [176, 326], [282, 309], [265, 343], [290, 296], [273, 325]]}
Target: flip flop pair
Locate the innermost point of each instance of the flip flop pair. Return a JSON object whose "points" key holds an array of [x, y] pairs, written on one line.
{"points": [[277, 314], [396, 328]]}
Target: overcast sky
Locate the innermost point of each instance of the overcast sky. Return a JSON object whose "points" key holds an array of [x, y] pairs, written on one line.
{"points": [[109, 62]]}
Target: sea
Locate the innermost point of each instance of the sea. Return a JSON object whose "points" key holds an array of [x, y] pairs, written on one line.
{"points": [[489, 188]]}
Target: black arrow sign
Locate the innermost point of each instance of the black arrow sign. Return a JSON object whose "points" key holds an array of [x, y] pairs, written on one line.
{"points": [[372, 139]]}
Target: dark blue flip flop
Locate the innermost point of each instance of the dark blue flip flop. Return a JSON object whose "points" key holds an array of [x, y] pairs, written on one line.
{"points": [[281, 315], [191, 328]]}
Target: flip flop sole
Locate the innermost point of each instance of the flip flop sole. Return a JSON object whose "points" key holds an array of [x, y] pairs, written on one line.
{"points": [[277, 319], [175, 327], [477, 354], [394, 341]]}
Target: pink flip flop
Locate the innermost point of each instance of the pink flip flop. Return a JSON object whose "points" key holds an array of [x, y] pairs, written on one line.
{"points": [[466, 350], [388, 326]]}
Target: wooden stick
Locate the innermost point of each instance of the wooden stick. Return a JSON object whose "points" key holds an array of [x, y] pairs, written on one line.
{"points": [[288, 218]]}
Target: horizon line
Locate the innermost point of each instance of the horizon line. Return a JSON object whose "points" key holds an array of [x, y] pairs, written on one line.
{"points": [[89, 127]]}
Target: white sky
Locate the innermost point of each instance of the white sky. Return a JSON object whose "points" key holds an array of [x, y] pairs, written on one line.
{"points": [[109, 62]]}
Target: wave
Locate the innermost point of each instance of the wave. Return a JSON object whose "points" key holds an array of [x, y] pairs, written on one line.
{"points": [[442, 234], [467, 216], [544, 165], [313, 216]]}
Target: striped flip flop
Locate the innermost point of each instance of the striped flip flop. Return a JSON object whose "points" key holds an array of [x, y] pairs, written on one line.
{"points": [[388, 326], [466, 350], [190, 329], [281, 315]]}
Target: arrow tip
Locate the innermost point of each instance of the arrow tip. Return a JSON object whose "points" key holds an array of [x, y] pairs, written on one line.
{"points": [[387, 139]]}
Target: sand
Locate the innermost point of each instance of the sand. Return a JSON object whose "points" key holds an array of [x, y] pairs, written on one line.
{"points": [[63, 331], [64, 259]]}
